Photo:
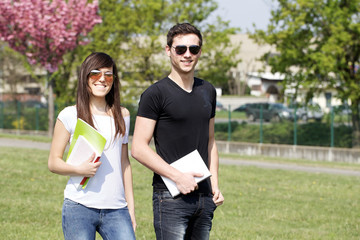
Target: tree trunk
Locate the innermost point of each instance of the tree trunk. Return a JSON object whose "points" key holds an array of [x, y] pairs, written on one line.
{"points": [[50, 105]]}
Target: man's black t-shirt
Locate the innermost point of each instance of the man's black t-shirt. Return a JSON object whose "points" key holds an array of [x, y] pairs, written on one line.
{"points": [[182, 121]]}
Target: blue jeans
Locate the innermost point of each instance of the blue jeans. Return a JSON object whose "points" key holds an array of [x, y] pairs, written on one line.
{"points": [[184, 217], [80, 222]]}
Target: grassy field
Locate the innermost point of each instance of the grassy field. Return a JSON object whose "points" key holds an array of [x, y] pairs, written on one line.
{"points": [[259, 203]]}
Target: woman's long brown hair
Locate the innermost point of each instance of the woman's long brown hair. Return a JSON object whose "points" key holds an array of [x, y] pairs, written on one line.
{"points": [[99, 60]]}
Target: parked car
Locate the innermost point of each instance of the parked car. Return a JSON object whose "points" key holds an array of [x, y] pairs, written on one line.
{"points": [[219, 106], [242, 108], [306, 112], [270, 112], [33, 103]]}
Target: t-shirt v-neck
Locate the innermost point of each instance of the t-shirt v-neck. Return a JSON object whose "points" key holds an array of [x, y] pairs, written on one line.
{"points": [[179, 87], [182, 120]]}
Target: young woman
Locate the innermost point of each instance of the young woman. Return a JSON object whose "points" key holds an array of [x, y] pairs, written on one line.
{"points": [[106, 205]]}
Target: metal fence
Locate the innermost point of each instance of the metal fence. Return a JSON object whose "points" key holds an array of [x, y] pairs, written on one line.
{"points": [[23, 116], [334, 129]]}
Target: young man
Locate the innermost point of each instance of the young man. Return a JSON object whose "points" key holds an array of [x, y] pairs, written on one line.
{"points": [[179, 112]]}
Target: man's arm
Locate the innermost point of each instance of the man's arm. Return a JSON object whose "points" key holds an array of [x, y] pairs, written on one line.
{"points": [[214, 164], [142, 152]]}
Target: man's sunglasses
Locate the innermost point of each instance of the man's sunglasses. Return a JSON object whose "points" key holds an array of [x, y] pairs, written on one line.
{"points": [[181, 49], [95, 75]]}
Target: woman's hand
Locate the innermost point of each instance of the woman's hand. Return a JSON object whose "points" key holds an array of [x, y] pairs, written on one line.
{"points": [[89, 168]]}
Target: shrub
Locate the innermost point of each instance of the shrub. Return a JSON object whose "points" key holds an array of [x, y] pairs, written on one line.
{"points": [[310, 134]]}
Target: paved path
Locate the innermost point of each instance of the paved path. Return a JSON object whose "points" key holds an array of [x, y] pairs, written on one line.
{"points": [[6, 142], [46, 146], [293, 167]]}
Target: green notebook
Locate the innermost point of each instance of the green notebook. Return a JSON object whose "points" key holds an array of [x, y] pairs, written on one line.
{"points": [[85, 142]]}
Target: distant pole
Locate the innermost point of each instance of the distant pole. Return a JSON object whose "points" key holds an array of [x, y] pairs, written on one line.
{"points": [[37, 117], [261, 123], [229, 124], [332, 127], [18, 104], [295, 125], [1, 114], [50, 104]]}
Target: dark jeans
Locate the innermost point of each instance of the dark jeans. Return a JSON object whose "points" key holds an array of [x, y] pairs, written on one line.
{"points": [[184, 217]]}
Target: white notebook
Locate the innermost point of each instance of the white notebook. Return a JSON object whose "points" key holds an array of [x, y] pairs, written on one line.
{"points": [[191, 162], [81, 152]]}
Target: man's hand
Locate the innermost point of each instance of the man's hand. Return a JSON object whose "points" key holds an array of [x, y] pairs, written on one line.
{"points": [[186, 182], [218, 197]]}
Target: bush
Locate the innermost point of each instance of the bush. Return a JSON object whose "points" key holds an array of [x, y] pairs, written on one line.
{"points": [[314, 134], [223, 127], [309, 134], [14, 115]]}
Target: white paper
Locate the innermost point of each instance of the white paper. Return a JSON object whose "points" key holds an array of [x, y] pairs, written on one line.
{"points": [[81, 152], [191, 162]]}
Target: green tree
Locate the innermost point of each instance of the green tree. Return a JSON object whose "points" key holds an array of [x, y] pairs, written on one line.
{"points": [[44, 31], [133, 33], [318, 46], [12, 71], [219, 55], [110, 36]]}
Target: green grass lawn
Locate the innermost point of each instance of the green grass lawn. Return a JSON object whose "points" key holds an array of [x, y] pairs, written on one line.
{"points": [[259, 203]]}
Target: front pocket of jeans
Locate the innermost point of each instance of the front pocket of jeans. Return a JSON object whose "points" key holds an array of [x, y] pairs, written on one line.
{"points": [[70, 203]]}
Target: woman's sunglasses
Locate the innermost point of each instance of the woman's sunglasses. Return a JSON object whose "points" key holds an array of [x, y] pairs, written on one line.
{"points": [[181, 49], [95, 75]]}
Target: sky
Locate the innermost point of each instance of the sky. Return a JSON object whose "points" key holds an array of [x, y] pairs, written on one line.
{"points": [[243, 13]]}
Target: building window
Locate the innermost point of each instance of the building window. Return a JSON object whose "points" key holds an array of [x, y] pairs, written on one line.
{"points": [[256, 87]]}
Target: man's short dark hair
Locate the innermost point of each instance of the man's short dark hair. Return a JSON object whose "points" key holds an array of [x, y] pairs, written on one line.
{"points": [[182, 29]]}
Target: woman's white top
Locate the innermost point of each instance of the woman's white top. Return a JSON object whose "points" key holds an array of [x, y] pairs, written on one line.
{"points": [[106, 189]]}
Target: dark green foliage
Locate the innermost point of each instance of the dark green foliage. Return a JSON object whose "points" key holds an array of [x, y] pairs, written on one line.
{"points": [[133, 111], [35, 118], [343, 136], [320, 39], [223, 127], [245, 133], [17, 115], [278, 133], [309, 134], [314, 134]]}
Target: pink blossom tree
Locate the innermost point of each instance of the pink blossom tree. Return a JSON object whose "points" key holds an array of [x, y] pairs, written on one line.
{"points": [[44, 30]]}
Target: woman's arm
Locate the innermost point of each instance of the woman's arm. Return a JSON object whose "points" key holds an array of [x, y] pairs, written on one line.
{"points": [[57, 165]]}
